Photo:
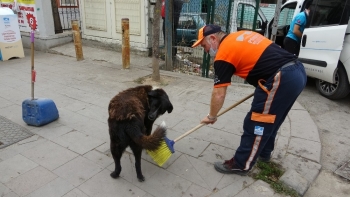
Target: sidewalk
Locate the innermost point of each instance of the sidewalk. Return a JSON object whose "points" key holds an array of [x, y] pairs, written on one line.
{"points": [[71, 157]]}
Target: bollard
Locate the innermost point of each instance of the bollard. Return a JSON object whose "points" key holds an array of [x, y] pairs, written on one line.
{"points": [[77, 40], [125, 43]]}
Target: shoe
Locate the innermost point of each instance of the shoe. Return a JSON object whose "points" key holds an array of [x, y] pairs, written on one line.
{"points": [[265, 159], [229, 167]]}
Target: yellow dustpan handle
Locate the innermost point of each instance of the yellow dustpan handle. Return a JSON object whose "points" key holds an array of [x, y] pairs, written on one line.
{"points": [[220, 113]]}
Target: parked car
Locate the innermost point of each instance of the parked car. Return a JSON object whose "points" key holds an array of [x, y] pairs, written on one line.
{"points": [[187, 30]]}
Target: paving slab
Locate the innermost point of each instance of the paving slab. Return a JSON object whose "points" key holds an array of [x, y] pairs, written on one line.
{"points": [[258, 189], [30, 181], [78, 170], [75, 193], [19, 147], [103, 185], [78, 142], [14, 167], [308, 149], [49, 155], [55, 188]]}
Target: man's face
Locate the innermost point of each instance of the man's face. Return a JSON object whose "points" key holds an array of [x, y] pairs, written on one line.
{"points": [[206, 44]]}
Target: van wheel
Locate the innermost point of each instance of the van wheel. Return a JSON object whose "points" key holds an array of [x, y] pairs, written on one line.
{"points": [[339, 89]]}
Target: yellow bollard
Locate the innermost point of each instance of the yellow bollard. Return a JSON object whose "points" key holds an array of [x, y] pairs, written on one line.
{"points": [[77, 40], [125, 43]]}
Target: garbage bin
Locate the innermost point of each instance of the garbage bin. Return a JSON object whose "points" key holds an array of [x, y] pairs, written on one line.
{"points": [[10, 37]]}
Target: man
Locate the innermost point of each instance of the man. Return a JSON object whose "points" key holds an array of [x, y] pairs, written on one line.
{"points": [[176, 15], [292, 40], [278, 77]]}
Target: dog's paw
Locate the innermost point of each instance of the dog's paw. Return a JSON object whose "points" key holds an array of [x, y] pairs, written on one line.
{"points": [[141, 178], [114, 175]]}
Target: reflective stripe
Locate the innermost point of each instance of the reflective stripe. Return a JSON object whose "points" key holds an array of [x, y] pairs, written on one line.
{"points": [[272, 93], [268, 102], [253, 152], [266, 118]]}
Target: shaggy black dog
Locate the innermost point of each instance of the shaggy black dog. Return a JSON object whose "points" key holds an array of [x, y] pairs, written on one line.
{"points": [[131, 117]]}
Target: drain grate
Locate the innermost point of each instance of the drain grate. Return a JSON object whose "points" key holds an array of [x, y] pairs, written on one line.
{"points": [[11, 132], [344, 170]]}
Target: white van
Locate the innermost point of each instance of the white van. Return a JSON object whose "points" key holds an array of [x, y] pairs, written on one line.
{"points": [[325, 45]]}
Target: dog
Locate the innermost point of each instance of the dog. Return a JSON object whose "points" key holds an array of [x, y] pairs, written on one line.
{"points": [[132, 113]]}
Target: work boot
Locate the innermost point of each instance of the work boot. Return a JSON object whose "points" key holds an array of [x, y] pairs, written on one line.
{"points": [[229, 167]]}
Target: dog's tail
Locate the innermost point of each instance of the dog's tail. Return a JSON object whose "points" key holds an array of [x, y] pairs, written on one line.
{"points": [[152, 142]]}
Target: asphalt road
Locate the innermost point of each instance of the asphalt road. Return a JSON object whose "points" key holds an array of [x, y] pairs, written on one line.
{"points": [[332, 118]]}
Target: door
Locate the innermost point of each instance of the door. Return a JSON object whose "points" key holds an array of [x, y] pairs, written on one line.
{"points": [[243, 17], [322, 40], [97, 17], [286, 16]]}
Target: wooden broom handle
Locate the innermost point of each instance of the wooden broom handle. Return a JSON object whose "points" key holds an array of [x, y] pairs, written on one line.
{"points": [[220, 113]]}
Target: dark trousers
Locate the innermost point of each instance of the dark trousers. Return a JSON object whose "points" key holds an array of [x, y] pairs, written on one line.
{"points": [[163, 29], [291, 45], [272, 101]]}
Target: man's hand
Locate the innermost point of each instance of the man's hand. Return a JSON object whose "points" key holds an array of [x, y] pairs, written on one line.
{"points": [[209, 120]]}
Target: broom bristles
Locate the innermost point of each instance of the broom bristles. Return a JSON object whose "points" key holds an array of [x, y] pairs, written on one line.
{"points": [[161, 155]]}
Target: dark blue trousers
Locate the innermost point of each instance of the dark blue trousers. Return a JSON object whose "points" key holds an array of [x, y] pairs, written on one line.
{"points": [[272, 101]]}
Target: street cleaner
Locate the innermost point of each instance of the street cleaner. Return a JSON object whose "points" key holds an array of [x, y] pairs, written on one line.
{"points": [[278, 78]]}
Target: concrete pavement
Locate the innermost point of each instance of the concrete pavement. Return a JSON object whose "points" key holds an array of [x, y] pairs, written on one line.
{"points": [[70, 156]]}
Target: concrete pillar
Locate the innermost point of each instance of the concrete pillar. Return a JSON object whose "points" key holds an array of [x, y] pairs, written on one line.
{"points": [[45, 18]]}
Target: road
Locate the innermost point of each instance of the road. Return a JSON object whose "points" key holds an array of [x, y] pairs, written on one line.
{"points": [[333, 121]]}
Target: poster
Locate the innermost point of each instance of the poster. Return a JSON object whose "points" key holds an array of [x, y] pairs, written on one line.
{"points": [[10, 36], [26, 12]]}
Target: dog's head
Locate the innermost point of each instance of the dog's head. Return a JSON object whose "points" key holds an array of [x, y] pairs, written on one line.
{"points": [[159, 103]]}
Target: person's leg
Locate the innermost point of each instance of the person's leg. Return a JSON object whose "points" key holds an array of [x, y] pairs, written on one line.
{"points": [[163, 30], [176, 14], [177, 10], [269, 109], [291, 46]]}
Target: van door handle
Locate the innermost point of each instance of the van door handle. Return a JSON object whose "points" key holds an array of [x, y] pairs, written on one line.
{"points": [[303, 41]]}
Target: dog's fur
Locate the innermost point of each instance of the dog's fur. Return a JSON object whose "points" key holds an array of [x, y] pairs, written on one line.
{"points": [[131, 117]]}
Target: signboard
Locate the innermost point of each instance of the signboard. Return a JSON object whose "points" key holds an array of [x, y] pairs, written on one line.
{"points": [[10, 36], [26, 12]]}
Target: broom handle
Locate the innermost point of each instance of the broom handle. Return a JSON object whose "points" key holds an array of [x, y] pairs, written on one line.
{"points": [[220, 113], [32, 62]]}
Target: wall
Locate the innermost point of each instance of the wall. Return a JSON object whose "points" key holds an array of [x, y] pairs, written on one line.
{"points": [[102, 22]]}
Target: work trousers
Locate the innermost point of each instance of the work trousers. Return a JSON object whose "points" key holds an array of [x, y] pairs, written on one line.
{"points": [[272, 101]]}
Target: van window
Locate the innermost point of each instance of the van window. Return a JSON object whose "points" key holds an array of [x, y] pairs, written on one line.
{"points": [[325, 12], [286, 14], [245, 16]]}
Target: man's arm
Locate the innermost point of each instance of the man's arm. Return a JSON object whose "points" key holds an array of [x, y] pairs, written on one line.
{"points": [[217, 100], [297, 31]]}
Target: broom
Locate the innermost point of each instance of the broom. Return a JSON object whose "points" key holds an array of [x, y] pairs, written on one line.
{"points": [[166, 148]]}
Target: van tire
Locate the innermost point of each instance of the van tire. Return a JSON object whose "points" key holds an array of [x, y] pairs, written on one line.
{"points": [[338, 90]]}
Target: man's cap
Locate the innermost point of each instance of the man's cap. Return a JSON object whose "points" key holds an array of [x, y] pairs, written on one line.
{"points": [[206, 31]]}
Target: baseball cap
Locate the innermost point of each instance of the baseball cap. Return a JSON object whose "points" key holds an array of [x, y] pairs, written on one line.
{"points": [[206, 31]]}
